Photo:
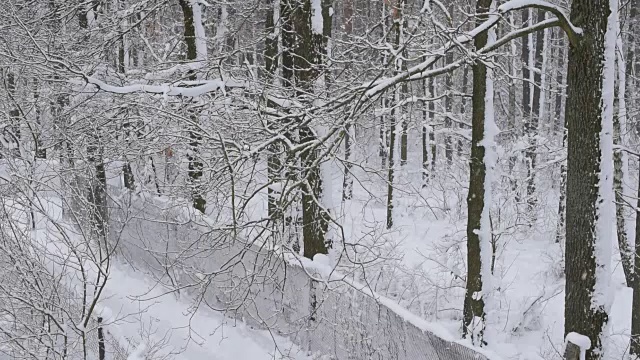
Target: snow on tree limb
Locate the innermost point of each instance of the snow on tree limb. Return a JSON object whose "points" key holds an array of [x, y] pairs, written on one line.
{"points": [[421, 71], [188, 88]]}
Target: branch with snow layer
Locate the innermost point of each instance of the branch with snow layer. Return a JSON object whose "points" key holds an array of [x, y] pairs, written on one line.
{"points": [[421, 71], [185, 88]]}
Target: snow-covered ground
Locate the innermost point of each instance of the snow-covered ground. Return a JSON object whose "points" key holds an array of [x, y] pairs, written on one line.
{"points": [[423, 269], [151, 322], [426, 275], [167, 324]]}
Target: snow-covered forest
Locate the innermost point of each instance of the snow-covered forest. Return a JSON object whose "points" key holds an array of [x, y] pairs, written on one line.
{"points": [[319, 179]]}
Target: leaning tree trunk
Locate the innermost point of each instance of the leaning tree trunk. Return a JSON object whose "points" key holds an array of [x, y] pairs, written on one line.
{"points": [[589, 165]]}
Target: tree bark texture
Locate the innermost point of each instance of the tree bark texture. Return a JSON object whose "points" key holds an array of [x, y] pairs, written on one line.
{"points": [[474, 300], [584, 118]]}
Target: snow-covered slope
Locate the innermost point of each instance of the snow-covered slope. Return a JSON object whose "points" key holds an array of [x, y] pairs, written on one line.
{"points": [[136, 309]]}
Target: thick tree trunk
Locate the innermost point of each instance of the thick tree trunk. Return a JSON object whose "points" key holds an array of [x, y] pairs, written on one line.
{"points": [[310, 50], [474, 301], [584, 118]]}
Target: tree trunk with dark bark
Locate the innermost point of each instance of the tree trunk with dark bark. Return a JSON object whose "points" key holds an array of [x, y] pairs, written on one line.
{"points": [[584, 120], [474, 297], [195, 167]]}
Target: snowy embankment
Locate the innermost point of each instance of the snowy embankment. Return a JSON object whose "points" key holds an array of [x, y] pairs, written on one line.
{"points": [[149, 321], [137, 309]]}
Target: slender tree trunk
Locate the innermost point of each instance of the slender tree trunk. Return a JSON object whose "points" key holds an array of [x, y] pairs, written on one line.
{"points": [[396, 113], [632, 58], [196, 167], [512, 124], [40, 150], [347, 186], [620, 166], [432, 125], [14, 115], [562, 202], [275, 151], [403, 114], [127, 173], [390, 171], [635, 308], [474, 301], [588, 186], [448, 111], [97, 182], [463, 105], [632, 68], [384, 102], [559, 121], [426, 129], [534, 119], [560, 71], [384, 133], [526, 87]]}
